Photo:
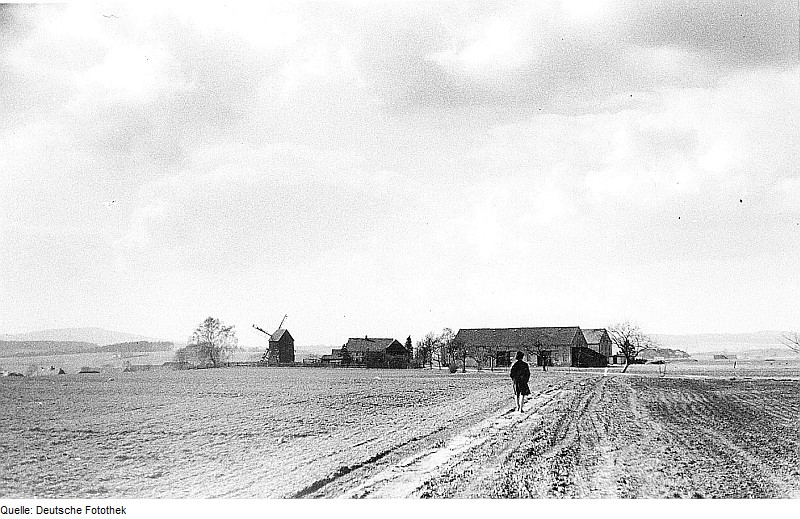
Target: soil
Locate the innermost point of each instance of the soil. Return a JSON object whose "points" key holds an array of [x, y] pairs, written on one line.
{"points": [[293, 432]]}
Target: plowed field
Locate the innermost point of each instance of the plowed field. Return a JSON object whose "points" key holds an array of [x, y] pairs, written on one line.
{"points": [[278, 432]]}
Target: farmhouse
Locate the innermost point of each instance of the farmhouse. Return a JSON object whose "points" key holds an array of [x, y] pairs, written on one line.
{"points": [[597, 339], [373, 353], [552, 346], [281, 348]]}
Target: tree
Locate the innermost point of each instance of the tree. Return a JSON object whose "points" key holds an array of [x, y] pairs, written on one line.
{"points": [[483, 355], [459, 352], [542, 354], [426, 347], [792, 341], [347, 359], [630, 341], [447, 346], [181, 355], [214, 341]]}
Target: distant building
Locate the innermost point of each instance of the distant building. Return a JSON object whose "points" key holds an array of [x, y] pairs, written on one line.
{"points": [[281, 348], [331, 360], [375, 353], [551, 346], [725, 357]]}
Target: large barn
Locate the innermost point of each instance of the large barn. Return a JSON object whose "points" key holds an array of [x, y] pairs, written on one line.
{"points": [[551, 346], [281, 348], [375, 353]]}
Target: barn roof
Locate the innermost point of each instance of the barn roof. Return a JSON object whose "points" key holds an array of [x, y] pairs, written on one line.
{"points": [[594, 335], [518, 338], [279, 333], [365, 344]]}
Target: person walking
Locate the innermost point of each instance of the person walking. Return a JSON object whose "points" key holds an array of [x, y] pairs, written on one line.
{"points": [[520, 374]]}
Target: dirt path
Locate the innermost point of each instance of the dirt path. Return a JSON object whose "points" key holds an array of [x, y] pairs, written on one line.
{"points": [[610, 436]]}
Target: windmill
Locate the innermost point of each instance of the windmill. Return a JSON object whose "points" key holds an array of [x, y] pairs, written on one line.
{"points": [[266, 356]]}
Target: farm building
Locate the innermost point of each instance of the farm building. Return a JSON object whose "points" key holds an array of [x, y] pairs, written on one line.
{"points": [[373, 353], [552, 346], [597, 339], [281, 348]]}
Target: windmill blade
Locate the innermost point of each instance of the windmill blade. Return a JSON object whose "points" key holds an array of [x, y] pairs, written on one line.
{"points": [[262, 331], [282, 320]]}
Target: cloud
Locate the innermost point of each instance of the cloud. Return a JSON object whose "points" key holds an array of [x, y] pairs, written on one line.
{"points": [[540, 56], [393, 149]]}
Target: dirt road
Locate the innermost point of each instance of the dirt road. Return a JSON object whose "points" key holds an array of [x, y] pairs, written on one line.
{"points": [[610, 436]]}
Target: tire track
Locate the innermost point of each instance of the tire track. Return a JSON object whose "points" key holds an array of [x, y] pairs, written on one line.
{"points": [[406, 477]]}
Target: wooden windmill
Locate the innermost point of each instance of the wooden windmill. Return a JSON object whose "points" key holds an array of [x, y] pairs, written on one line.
{"points": [[281, 346]]}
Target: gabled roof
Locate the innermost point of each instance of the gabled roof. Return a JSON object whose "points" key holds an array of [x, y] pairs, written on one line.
{"points": [[594, 335], [279, 333], [518, 338], [366, 344]]}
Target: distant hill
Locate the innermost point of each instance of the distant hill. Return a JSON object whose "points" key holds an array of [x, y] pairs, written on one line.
{"points": [[722, 342], [663, 353], [38, 348], [44, 348], [135, 346], [97, 336]]}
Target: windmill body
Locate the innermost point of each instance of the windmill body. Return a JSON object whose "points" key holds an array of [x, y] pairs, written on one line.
{"points": [[281, 346]]}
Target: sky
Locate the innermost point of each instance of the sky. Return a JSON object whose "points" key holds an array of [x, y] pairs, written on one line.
{"points": [[388, 169]]}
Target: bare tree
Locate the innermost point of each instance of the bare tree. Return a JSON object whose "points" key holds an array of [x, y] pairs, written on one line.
{"points": [[792, 341], [542, 353], [426, 348], [459, 350], [447, 345], [630, 341], [455, 350], [213, 341]]}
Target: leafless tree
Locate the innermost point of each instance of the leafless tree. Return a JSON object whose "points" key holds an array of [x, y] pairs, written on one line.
{"points": [[483, 355], [426, 348], [542, 353], [792, 341], [630, 341], [214, 341], [457, 351], [447, 346]]}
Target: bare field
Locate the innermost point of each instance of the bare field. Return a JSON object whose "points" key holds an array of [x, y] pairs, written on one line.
{"points": [[788, 368], [293, 432], [244, 432]]}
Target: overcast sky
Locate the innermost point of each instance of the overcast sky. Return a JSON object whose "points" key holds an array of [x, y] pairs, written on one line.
{"points": [[390, 169]]}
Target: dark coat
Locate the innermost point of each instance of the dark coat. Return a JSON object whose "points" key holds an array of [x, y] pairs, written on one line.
{"points": [[521, 374]]}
